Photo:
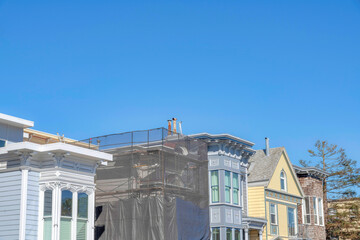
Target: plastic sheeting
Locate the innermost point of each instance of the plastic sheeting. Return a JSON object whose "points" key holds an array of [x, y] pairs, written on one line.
{"points": [[155, 188], [153, 218]]}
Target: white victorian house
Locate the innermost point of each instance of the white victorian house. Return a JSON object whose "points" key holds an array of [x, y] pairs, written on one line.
{"points": [[46, 190]]}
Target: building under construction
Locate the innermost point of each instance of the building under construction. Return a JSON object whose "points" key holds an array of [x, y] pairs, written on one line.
{"points": [[155, 188]]}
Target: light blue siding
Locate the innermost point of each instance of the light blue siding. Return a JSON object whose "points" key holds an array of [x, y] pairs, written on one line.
{"points": [[32, 206], [10, 194]]}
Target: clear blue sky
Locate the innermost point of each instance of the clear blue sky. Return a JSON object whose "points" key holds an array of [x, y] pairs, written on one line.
{"points": [[288, 70]]}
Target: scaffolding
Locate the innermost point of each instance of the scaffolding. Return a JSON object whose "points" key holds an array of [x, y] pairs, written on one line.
{"points": [[155, 188]]}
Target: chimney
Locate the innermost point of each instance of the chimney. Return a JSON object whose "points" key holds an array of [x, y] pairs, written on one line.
{"points": [[169, 127], [267, 147], [180, 127], [174, 123]]}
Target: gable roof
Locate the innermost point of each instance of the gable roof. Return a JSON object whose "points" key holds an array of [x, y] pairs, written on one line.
{"points": [[262, 167]]}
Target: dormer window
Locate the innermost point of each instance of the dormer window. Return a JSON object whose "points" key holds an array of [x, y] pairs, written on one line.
{"points": [[283, 181]]}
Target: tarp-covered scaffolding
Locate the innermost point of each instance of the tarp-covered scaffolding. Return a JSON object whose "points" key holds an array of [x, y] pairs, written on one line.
{"points": [[156, 187]]}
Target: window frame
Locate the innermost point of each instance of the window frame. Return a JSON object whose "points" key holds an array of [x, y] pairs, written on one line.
{"points": [[228, 187], [276, 224], [315, 210], [306, 214], [237, 194], [295, 221], [212, 232], [283, 178], [320, 210], [217, 186]]}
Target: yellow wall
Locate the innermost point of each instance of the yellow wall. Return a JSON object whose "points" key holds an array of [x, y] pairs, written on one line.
{"points": [[256, 205], [274, 183]]}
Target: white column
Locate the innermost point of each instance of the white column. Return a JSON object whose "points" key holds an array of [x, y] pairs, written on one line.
{"points": [[246, 234], [56, 212], [41, 214], [260, 235], [23, 203], [91, 213], [74, 215]]}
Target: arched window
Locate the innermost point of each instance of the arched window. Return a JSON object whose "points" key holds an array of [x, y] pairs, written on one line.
{"points": [[283, 181]]}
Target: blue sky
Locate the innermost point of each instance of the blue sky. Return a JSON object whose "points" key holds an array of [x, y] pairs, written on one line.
{"points": [[287, 70]]}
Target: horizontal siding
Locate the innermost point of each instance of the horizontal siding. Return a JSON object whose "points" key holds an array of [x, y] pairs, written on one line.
{"points": [[10, 194], [256, 202], [32, 206]]}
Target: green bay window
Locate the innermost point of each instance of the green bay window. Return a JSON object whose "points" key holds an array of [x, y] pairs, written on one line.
{"points": [[214, 186], [237, 234], [47, 214], [227, 186], [235, 184], [66, 214]]}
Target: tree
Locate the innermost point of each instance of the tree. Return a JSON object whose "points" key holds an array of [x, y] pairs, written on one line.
{"points": [[343, 172], [343, 177]]}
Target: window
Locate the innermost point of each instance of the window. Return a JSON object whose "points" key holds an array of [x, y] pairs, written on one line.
{"points": [[320, 211], [229, 234], [66, 214], [214, 186], [242, 191], [306, 210], [47, 214], [315, 210], [291, 222], [235, 184], [82, 216], [283, 180], [215, 234], [227, 186], [237, 234], [273, 219]]}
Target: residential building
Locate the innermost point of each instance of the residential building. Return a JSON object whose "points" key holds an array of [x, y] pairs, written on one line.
{"points": [[311, 213], [228, 168], [155, 188], [274, 193], [46, 190]]}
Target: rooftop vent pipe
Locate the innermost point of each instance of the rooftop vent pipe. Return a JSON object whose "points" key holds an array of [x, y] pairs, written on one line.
{"points": [[267, 147], [174, 123], [169, 127]]}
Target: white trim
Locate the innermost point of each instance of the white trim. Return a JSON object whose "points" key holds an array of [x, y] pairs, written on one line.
{"points": [[58, 148], [23, 203], [14, 121], [74, 215], [41, 213], [91, 213]]}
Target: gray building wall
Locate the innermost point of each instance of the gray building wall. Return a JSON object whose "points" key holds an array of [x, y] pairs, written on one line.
{"points": [[11, 133], [10, 194], [32, 206]]}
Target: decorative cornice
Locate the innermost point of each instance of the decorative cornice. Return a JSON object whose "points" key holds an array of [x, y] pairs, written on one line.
{"points": [[66, 186]]}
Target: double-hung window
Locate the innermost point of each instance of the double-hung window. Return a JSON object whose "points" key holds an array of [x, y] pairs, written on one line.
{"points": [[47, 214], [228, 233], [291, 222], [66, 214], [273, 219], [227, 186], [315, 209], [235, 184], [283, 180], [214, 186], [237, 234], [215, 235], [306, 210], [82, 216], [321, 212]]}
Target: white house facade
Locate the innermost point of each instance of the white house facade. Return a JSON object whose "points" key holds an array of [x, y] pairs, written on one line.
{"points": [[46, 191]]}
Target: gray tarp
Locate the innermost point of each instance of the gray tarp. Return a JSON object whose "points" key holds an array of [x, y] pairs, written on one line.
{"points": [[154, 218]]}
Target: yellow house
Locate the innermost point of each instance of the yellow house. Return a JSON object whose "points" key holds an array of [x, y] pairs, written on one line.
{"points": [[274, 193]]}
